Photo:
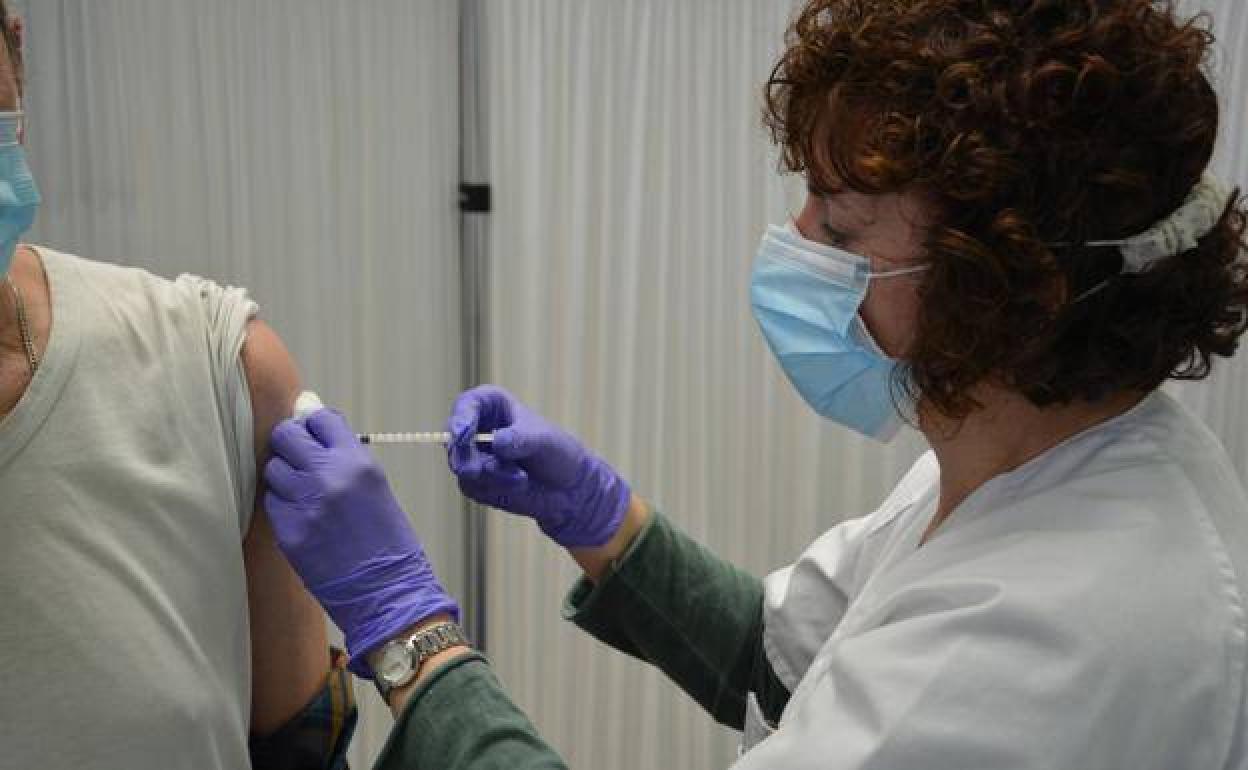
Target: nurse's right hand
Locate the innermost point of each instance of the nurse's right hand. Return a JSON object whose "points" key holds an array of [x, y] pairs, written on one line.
{"points": [[534, 468]]}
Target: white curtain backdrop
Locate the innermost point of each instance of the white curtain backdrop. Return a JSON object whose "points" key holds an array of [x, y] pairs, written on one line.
{"points": [[632, 182], [305, 149]]}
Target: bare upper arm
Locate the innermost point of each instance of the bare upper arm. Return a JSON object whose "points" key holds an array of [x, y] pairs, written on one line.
{"points": [[272, 379], [289, 647]]}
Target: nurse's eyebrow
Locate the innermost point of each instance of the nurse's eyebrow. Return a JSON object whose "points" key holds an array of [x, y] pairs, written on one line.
{"points": [[864, 219]]}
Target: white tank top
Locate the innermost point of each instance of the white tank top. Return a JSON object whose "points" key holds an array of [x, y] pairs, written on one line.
{"points": [[127, 480]]}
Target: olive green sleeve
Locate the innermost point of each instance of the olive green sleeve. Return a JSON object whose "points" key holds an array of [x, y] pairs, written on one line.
{"points": [[672, 603], [668, 601], [460, 718]]}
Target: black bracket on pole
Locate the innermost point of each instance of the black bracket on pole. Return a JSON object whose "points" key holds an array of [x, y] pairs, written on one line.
{"points": [[474, 198]]}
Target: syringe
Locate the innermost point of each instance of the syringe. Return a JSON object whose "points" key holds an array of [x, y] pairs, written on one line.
{"points": [[436, 437], [308, 402]]}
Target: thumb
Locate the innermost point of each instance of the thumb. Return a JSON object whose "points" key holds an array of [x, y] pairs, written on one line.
{"points": [[331, 428], [291, 441], [485, 407]]}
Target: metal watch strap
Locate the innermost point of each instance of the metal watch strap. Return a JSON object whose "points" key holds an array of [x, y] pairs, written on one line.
{"points": [[423, 645]]}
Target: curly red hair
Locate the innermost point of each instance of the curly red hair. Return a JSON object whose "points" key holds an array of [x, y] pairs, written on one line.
{"points": [[1026, 124]]}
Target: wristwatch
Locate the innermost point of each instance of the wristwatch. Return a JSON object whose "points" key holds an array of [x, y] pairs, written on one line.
{"points": [[397, 662]]}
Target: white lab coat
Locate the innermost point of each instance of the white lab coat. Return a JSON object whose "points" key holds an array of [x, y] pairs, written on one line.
{"points": [[1083, 611]]}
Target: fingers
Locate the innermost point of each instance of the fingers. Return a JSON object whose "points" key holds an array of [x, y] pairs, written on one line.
{"points": [[284, 481], [502, 499], [291, 441], [518, 432], [331, 429], [482, 469], [484, 408]]}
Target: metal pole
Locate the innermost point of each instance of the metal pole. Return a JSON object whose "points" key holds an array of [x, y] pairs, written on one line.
{"points": [[474, 286]]}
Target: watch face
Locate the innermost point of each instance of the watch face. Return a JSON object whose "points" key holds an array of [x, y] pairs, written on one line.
{"points": [[395, 664]]}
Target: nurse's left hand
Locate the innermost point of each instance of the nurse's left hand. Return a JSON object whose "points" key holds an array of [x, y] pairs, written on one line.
{"points": [[342, 530]]}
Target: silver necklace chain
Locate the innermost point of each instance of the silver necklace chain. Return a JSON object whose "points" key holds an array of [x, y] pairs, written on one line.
{"points": [[23, 327]]}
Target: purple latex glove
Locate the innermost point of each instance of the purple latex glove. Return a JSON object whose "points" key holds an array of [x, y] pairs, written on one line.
{"points": [[535, 469], [338, 523]]}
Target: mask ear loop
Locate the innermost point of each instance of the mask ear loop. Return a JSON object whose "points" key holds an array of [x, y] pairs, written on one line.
{"points": [[899, 272], [1095, 289]]}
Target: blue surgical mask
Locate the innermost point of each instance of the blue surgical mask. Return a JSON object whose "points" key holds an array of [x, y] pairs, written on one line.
{"points": [[19, 198], [806, 297]]}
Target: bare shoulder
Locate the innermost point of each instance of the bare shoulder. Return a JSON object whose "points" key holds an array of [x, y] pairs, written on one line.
{"points": [[273, 380]]}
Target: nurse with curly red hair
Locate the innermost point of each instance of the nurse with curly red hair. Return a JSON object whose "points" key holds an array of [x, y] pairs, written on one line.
{"points": [[1011, 240]]}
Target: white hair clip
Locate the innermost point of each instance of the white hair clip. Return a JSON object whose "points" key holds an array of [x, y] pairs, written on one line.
{"points": [[1177, 233]]}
